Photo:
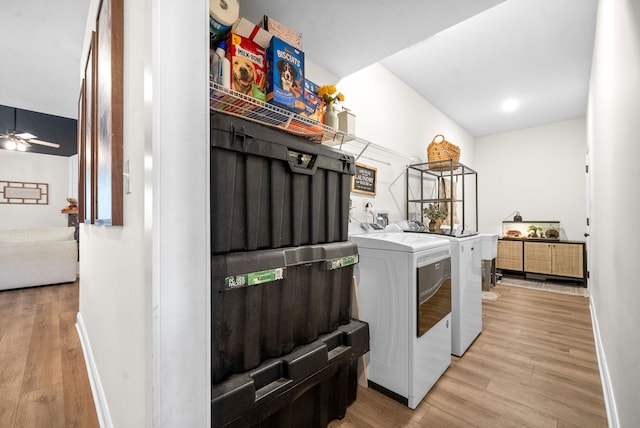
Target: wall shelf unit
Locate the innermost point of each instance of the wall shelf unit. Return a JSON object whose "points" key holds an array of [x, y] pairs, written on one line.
{"points": [[236, 104], [430, 178]]}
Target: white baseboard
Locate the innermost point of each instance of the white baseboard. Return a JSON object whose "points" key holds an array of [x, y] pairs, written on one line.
{"points": [[99, 398], [609, 399]]}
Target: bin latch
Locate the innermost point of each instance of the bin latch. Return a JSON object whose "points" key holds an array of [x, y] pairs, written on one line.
{"points": [[302, 162], [240, 134], [348, 164]]}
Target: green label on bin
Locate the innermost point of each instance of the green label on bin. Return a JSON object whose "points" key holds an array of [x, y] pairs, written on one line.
{"points": [[253, 278], [342, 262]]}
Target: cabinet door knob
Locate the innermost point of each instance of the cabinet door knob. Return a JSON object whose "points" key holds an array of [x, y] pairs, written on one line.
{"points": [[586, 234]]}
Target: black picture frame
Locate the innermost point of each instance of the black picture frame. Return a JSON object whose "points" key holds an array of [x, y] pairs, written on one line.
{"points": [[365, 179]]}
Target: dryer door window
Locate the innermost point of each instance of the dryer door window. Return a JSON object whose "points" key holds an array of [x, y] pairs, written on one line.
{"points": [[434, 294]]}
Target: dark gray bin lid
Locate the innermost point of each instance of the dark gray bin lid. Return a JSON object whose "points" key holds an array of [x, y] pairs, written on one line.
{"points": [[240, 135]]}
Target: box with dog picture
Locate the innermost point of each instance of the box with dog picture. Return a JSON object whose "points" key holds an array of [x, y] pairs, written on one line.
{"points": [[248, 66], [285, 76], [314, 104]]}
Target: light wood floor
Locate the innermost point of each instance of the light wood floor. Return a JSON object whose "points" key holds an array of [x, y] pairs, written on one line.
{"points": [[534, 365], [43, 377]]}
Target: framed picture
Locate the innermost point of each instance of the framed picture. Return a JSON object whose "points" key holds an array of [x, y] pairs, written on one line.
{"points": [[19, 192], [82, 166], [364, 181], [108, 103], [86, 139]]}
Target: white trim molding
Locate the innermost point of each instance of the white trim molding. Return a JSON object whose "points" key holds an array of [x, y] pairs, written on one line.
{"points": [[605, 379], [99, 397]]}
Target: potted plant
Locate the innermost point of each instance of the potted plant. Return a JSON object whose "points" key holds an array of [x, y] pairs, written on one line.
{"points": [[533, 231], [435, 213]]}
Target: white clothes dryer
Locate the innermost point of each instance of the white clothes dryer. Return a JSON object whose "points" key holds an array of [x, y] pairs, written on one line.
{"points": [[404, 289]]}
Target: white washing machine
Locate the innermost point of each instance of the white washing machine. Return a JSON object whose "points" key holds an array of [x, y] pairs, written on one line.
{"points": [[404, 291], [466, 291]]}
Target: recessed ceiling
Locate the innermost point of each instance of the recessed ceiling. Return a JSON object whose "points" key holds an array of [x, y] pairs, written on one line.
{"points": [[536, 52], [463, 56], [41, 44], [346, 36]]}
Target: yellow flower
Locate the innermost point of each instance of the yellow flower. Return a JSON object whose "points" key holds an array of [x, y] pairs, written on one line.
{"points": [[326, 90], [327, 93]]}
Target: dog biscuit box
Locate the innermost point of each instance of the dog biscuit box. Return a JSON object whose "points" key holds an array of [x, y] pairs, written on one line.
{"points": [[313, 103], [248, 66], [285, 76]]}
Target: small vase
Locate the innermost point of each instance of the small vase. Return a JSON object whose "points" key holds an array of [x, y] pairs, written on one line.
{"points": [[432, 226], [331, 116]]}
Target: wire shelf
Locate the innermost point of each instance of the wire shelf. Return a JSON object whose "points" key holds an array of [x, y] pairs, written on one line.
{"points": [[234, 103]]}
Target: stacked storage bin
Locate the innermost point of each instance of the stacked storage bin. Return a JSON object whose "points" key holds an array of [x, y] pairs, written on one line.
{"points": [[282, 267]]}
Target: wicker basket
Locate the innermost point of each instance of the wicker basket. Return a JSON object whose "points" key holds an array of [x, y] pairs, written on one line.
{"points": [[442, 150]]}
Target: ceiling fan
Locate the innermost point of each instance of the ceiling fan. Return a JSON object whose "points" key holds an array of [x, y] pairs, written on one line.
{"points": [[19, 140]]}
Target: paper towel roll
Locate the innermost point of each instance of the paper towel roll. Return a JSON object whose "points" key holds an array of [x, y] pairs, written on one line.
{"points": [[222, 15]]}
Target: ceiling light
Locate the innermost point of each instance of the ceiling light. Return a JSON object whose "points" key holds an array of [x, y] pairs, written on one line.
{"points": [[26, 136], [21, 147], [10, 145], [509, 105]]}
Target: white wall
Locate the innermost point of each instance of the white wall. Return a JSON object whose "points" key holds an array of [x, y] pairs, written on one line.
{"points": [[181, 265], [114, 316], [317, 74], [144, 286], [392, 115], [538, 171], [614, 130], [33, 167]]}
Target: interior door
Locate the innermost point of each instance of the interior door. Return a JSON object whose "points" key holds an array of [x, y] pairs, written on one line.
{"points": [[587, 232]]}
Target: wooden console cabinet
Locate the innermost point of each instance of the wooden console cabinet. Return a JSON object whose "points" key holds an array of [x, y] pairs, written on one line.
{"points": [[558, 258]]}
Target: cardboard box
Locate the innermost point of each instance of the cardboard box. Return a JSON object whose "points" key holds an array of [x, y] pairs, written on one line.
{"points": [[247, 29], [280, 31], [248, 66], [311, 87], [314, 104], [285, 76]]}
